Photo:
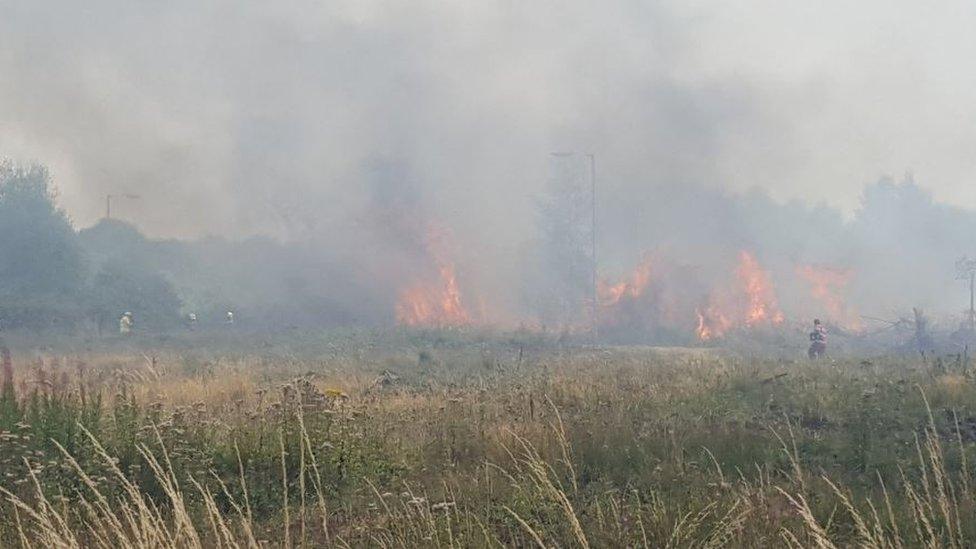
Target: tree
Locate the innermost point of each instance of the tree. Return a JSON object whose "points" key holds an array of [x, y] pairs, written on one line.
{"points": [[41, 264], [561, 285], [126, 276], [120, 285]]}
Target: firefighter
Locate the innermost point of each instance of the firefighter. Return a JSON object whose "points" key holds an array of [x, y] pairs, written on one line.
{"points": [[191, 321], [818, 341], [229, 318], [125, 324]]}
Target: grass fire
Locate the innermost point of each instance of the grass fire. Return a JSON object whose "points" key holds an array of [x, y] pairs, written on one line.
{"points": [[427, 274]]}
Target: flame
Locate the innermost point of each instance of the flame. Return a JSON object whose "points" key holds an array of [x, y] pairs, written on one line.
{"points": [[751, 302], [826, 285], [703, 331], [762, 305], [712, 324], [631, 287], [434, 302]]}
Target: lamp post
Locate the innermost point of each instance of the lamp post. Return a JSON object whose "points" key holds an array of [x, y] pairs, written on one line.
{"points": [[596, 305]]}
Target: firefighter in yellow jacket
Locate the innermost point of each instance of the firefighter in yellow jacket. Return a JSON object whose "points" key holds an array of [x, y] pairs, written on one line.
{"points": [[125, 324]]}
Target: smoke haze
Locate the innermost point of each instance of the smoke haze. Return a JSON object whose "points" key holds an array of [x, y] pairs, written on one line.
{"points": [[350, 128]]}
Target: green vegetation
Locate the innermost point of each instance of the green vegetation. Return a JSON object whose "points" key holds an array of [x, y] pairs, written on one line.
{"points": [[62, 283], [501, 443], [54, 281], [41, 272]]}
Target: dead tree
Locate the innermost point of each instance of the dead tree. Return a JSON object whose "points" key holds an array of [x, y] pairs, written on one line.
{"points": [[923, 339]]}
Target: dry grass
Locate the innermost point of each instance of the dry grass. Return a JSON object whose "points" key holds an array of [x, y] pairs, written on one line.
{"points": [[487, 447]]}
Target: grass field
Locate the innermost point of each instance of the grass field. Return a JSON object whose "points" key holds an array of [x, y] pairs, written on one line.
{"points": [[427, 440]]}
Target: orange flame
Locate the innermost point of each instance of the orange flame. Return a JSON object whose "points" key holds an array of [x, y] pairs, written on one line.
{"points": [[712, 324], [826, 285], [433, 302], [753, 300], [762, 305], [632, 287]]}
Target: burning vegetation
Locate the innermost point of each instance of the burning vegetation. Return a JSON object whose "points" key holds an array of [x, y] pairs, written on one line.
{"points": [[631, 288], [434, 301], [749, 302], [712, 323], [657, 300], [667, 299], [761, 304]]}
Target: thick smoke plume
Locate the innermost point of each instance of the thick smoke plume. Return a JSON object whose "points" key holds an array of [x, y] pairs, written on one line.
{"points": [[368, 162]]}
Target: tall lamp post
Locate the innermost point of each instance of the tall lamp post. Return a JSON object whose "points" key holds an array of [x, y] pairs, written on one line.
{"points": [[593, 288]]}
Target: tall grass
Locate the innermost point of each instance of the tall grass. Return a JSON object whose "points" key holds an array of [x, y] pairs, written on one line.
{"points": [[486, 447]]}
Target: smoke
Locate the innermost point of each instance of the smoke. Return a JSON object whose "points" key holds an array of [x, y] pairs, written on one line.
{"points": [[265, 119], [349, 128]]}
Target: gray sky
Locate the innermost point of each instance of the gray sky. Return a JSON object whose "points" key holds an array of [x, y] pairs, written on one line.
{"points": [[237, 118]]}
